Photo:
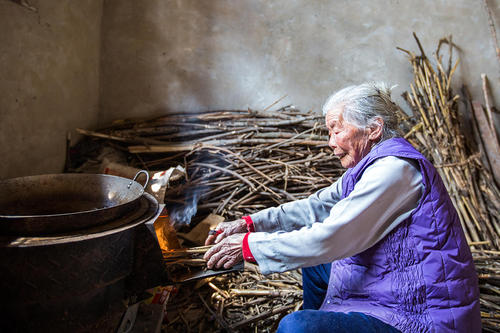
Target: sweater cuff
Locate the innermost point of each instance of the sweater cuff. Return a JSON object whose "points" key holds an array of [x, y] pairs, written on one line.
{"points": [[250, 226], [247, 254]]}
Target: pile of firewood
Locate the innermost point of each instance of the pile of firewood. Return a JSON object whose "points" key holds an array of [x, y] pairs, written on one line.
{"points": [[465, 150], [238, 302], [237, 162]]}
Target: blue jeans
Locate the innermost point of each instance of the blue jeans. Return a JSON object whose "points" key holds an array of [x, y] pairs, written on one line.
{"points": [[315, 283], [316, 321]]}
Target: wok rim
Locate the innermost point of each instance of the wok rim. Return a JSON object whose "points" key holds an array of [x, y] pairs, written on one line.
{"points": [[149, 210], [83, 212]]}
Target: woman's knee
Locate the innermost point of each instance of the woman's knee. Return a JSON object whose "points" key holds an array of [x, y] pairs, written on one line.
{"points": [[293, 322]]}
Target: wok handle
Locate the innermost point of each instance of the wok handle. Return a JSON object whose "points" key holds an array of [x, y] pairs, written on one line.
{"points": [[137, 175]]}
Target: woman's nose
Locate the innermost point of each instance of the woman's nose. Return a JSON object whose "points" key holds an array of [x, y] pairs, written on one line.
{"points": [[331, 142]]}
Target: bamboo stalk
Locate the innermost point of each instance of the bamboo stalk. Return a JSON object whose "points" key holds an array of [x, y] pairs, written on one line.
{"points": [[223, 293], [262, 316], [217, 317], [243, 179], [276, 102], [487, 102], [186, 251], [192, 145], [493, 31], [270, 293], [186, 261], [491, 147]]}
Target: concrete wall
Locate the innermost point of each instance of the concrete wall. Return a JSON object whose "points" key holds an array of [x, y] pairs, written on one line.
{"points": [[49, 81], [161, 55]]}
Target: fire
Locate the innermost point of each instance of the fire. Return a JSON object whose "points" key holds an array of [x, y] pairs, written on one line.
{"points": [[165, 232]]}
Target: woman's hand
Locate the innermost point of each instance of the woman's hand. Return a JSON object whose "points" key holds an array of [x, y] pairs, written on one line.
{"points": [[227, 253], [225, 229]]}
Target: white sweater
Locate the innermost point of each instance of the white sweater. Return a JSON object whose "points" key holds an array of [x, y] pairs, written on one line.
{"points": [[323, 228]]}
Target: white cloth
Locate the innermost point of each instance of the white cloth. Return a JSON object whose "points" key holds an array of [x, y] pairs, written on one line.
{"points": [[323, 228]]}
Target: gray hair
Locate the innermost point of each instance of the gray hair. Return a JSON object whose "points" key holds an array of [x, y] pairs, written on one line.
{"points": [[364, 103]]}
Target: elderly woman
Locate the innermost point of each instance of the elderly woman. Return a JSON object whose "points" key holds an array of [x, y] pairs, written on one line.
{"points": [[381, 249]]}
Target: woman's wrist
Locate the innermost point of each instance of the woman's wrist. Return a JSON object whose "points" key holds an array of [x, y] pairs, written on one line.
{"points": [[249, 223], [247, 254]]}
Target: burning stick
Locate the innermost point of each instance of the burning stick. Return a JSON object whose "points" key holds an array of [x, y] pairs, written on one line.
{"points": [[187, 251], [186, 256]]}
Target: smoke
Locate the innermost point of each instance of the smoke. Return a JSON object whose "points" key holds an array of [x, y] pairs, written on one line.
{"points": [[181, 214], [183, 208]]}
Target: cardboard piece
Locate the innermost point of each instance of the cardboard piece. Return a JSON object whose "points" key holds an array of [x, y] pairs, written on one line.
{"points": [[199, 233]]}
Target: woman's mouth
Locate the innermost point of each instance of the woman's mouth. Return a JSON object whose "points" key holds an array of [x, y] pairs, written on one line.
{"points": [[340, 156]]}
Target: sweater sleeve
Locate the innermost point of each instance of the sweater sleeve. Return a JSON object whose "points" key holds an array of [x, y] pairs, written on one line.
{"points": [[386, 194], [247, 254], [300, 213]]}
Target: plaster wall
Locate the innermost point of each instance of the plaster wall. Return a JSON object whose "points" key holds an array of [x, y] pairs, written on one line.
{"points": [[164, 55], [49, 81]]}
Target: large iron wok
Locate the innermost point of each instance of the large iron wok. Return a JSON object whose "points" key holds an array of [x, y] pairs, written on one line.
{"points": [[78, 281], [47, 204]]}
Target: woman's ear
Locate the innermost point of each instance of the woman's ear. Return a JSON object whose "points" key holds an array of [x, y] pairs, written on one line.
{"points": [[376, 130]]}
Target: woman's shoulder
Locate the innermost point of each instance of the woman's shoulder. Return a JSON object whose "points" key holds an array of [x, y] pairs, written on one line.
{"points": [[395, 162], [393, 167]]}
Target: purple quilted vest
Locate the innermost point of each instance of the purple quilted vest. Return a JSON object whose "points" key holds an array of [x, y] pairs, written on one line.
{"points": [[420, 277]]}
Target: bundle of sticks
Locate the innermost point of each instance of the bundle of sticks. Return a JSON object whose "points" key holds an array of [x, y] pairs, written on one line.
{"points": [[252, 299], [236, 302], [462, 159], [186, 256], [237, 161]]}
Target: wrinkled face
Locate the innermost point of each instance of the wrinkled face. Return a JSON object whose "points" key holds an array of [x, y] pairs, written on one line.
{"points": [[349, 143]]}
